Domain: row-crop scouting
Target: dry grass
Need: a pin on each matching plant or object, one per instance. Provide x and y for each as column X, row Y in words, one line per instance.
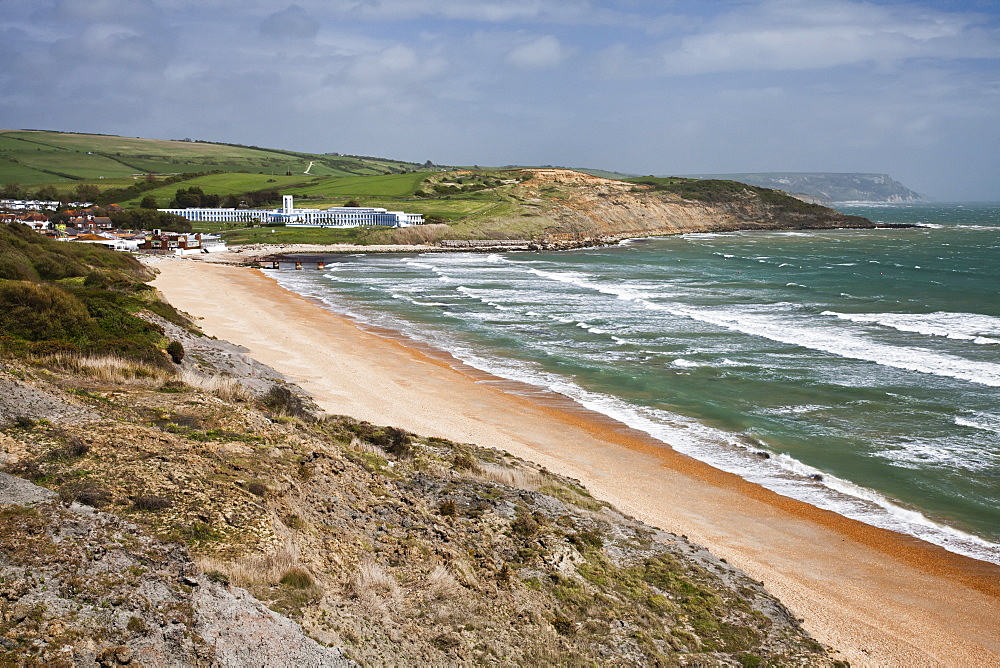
column 257, row 569
column 441, row 584
column 111, row 369
column 223, row 387
column 520, row 478
column 364, row 446
column 373, row 585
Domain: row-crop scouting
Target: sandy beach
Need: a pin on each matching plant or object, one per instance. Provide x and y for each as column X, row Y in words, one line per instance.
column 880, row 598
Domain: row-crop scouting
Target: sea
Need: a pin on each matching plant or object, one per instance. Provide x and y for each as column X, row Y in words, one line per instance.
column 856, row 370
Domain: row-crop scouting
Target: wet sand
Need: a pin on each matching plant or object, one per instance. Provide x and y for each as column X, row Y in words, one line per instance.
column 880, row 598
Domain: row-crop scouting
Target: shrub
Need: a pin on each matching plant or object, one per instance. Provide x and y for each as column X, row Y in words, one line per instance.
column 464, row 462
column 75, row 446
column 28, row 468
column 563, row 626
column 218, row 577
column 257, row 489
column 23, row 422
column 89, row 494
column 297, row 578
column 151, row 503
column 282, row 401
column 176, row 351
column 173, row 386
column 449, row 508
column 35, row 311
column 525, row 526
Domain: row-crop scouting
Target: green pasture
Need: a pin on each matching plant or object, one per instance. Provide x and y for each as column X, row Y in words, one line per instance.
column 10, row 143
column 96, row 156
column 12, row 172
column 293, row 235
column 75, row 164
column 384, row 185
column 228, row 183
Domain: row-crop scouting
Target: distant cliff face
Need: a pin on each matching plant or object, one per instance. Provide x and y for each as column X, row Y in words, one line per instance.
column 834, row 187
column 589, row 205
column 557, row 208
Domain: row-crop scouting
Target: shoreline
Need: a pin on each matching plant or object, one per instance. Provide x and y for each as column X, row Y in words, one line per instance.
column 879, row 597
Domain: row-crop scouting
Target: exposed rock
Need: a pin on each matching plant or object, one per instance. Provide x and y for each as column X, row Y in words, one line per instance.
column 81, row 587
column 21, row 399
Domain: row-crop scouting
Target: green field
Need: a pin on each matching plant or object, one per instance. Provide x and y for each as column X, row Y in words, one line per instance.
column 389, row 185
column 230, row 183
column 54, row 157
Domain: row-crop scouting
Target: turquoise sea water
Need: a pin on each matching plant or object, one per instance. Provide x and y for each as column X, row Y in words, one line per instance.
column 865, row 363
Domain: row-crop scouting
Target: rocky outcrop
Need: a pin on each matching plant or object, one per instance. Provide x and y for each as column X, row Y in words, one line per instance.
column 588, row 210
column 85, row 588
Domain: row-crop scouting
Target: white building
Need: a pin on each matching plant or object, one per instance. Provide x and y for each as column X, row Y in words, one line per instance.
column 337, row 216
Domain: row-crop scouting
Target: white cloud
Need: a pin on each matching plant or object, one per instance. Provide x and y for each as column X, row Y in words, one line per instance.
column 782, row 35
column 545, row 51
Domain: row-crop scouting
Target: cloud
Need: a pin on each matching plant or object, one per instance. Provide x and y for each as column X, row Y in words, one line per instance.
column 545, row 51
column 784, row 35
column 293, row 22
column 739, row 85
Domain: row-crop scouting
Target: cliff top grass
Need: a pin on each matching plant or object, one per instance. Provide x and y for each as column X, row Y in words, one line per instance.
column 61, row 298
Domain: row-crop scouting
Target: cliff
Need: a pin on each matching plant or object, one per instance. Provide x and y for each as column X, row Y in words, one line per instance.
column 557, row 208
column 386, row 547
column 831, row 187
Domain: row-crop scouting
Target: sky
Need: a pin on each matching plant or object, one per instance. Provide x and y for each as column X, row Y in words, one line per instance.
column 911, row 89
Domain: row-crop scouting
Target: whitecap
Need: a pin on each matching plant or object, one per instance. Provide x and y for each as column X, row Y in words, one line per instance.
column 974, row 327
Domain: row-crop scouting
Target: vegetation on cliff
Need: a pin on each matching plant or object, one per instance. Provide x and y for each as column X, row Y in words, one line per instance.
column 396, row 548
column 75, row 298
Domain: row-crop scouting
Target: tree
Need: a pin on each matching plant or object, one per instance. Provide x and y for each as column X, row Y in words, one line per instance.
column 47, row 193
column 86, row 192
column 352, row 202
column 148, row 202
column 12, row 191
column 176, row 351
column 187, row 198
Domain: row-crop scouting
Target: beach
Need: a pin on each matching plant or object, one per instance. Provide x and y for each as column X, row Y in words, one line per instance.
column 878, row 597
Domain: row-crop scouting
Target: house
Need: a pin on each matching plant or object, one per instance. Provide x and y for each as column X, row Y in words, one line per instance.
column 176, row 243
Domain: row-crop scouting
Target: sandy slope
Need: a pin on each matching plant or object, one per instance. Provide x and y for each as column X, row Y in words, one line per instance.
column 881, row 598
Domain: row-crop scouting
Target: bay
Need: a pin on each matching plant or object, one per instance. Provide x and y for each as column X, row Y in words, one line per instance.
column 857, row 370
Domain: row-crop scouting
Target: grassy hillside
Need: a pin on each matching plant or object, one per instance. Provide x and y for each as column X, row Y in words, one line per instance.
column 35, row 158
column 60, row 298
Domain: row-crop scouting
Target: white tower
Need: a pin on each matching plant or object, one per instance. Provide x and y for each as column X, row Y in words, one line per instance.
column 286, row 204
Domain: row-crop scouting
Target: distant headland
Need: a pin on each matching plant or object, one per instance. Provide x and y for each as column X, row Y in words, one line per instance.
column 828, row 187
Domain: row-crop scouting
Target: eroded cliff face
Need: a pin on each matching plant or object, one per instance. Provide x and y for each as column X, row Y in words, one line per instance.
column 397, row 549
column 580, row 205
column 79, row 587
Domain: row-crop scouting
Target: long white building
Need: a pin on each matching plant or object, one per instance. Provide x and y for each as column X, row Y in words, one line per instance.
column 336, row 216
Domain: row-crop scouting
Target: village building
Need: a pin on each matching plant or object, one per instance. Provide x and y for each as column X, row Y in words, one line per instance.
column 338, row 216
